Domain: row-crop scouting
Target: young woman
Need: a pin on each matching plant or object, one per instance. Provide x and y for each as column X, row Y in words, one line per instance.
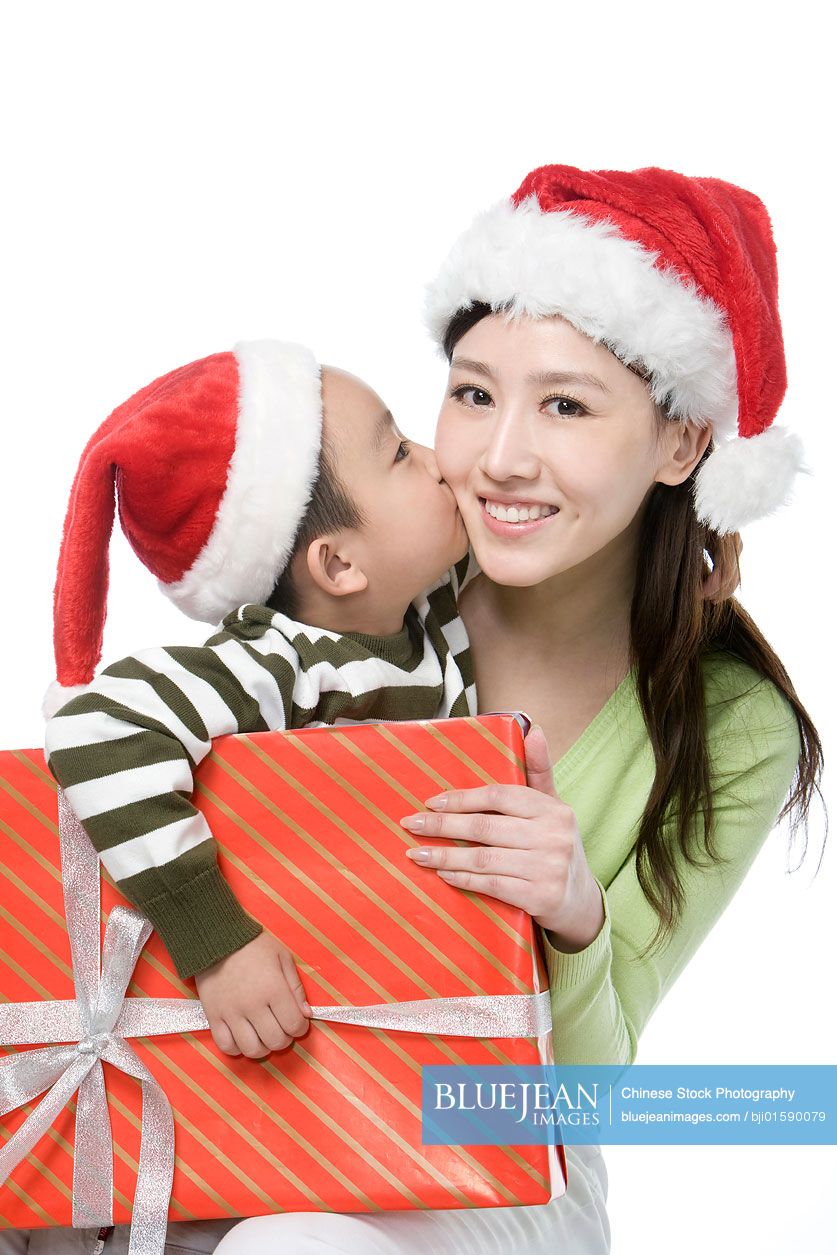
column 616, row 362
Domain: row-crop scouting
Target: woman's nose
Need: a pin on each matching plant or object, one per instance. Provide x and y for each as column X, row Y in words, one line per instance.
column 510, row 451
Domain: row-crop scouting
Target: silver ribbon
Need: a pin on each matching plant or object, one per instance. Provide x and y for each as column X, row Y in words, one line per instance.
column 100, row 1017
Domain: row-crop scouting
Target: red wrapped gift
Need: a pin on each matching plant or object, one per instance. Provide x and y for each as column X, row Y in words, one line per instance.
column 309, row 840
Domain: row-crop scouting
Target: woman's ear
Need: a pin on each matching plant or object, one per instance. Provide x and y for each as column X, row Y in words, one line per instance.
column 332, row 567
column 681, row 449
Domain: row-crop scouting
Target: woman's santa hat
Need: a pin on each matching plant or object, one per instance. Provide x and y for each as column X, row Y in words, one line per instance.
column 213, row 464
column 674, row 274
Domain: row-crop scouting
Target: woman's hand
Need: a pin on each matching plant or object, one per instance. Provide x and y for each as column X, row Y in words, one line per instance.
column 530, row 856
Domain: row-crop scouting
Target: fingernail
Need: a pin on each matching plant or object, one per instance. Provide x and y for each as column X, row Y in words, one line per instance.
column 414, row 822
column 420, row 856
column 439, row 801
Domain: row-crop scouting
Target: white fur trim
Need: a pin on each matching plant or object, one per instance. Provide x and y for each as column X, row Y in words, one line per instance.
column 272, row 472
column 57, row 695
column 558, row 262
column 747, row 478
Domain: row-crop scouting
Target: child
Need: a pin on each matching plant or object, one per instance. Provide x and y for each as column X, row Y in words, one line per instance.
column 258, row 487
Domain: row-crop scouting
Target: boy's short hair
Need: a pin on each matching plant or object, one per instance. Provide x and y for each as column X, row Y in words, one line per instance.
column 330, row 508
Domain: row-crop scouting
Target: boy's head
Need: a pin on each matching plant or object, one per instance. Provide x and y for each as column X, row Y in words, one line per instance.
column 381, row 525
column 235, row 467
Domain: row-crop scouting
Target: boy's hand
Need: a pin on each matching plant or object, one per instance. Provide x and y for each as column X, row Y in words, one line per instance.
column 254, row 998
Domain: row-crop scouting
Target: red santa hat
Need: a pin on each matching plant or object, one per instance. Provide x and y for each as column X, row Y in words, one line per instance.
column 213, row 464
column 675, row 274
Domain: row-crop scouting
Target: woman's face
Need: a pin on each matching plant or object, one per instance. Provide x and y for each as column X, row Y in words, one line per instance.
column 517, row 426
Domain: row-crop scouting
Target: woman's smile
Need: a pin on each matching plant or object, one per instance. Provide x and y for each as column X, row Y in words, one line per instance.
column 512, row 525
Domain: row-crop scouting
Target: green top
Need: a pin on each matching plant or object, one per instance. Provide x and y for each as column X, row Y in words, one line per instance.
column 603, row 996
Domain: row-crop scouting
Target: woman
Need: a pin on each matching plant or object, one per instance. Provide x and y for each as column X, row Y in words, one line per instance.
column 596, row 354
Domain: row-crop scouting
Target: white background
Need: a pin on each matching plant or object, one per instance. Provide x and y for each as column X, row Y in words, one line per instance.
column 179, row 176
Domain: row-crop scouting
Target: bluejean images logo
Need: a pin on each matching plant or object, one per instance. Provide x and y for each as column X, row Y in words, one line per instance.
column 716, row 1104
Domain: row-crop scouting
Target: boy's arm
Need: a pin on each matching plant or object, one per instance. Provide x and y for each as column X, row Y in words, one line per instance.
column 124, row 752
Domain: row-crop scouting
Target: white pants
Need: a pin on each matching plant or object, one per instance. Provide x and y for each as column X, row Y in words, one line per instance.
column 575, row 1223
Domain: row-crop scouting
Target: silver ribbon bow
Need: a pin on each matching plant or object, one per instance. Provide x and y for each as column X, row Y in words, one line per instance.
column 100, row 1017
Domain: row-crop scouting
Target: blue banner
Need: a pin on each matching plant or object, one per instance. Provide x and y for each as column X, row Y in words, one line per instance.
column 648, row 1104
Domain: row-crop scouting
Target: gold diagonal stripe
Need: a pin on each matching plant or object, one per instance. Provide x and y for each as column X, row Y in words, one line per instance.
column 458, row 752
column 405, row 1102
column 36, row 770
column 25, row 976
column 346, row 786
column 367, row 891
column 38, row 944
column 418, row 804
column 311, row 928
column 33, row 897
column 28, row 806
column 36, row 1163
column 30, row 850
column 48, row 1220
column 385, row 730
column 500, row 746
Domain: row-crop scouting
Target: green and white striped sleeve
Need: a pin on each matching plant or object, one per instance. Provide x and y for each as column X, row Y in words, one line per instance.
column 124, row 752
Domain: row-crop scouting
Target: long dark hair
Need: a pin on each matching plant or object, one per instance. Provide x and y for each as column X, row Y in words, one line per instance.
column 672, row 628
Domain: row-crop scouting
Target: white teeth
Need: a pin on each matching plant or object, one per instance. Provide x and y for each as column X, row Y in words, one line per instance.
column 519, row 514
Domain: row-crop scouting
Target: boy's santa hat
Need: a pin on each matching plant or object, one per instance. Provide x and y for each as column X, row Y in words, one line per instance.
column 213, row 464
column 672, row 273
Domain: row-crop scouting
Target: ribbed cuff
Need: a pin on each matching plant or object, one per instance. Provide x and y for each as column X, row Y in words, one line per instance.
column 566, row 971
column 201, row 922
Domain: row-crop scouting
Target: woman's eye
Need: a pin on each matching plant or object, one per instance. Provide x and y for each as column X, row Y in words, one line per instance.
column 405, row 445
column 576, row 405
column 478, row 392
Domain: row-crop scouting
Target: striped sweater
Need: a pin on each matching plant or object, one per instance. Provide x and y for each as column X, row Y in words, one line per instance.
column 125, row 750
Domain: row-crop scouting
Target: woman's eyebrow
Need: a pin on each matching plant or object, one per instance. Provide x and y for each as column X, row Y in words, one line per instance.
column 545, row 377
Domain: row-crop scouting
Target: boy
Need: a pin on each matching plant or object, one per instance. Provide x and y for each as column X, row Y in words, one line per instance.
column 338, row 596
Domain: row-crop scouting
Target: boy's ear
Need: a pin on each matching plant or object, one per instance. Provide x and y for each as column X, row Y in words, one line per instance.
column 332, row 567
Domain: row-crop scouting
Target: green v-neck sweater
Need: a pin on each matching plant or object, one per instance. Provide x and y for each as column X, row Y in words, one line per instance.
column 602, row 996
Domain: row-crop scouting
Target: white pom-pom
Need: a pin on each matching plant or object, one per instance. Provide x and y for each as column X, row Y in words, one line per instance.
column 747, row 478
column 57, row 695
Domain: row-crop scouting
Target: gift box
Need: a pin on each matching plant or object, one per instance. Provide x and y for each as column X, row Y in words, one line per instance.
column 307, row 828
